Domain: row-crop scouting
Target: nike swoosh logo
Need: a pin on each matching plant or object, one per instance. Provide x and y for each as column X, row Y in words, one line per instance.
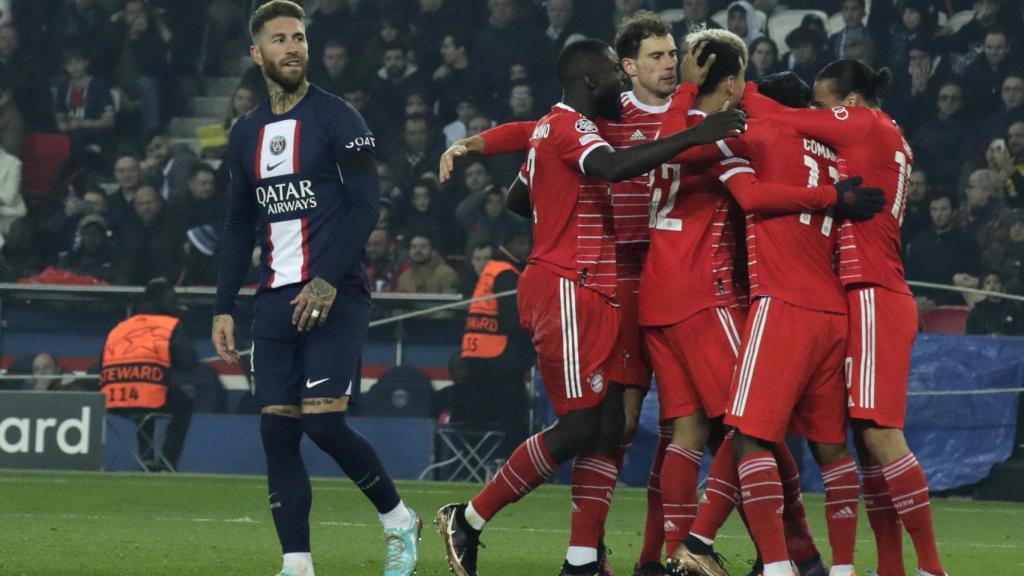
column 314, row 383
column 271, row 168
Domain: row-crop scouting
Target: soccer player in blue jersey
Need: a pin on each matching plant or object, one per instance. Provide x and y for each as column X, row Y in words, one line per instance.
column 303, row 181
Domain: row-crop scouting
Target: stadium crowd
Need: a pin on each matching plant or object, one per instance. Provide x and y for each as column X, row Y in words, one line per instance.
column 130, row 203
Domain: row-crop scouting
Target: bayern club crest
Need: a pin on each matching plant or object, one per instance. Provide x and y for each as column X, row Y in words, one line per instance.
column 277, row 145
column 596, row 382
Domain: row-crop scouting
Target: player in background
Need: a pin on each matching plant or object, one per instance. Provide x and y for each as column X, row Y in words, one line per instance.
column 883, row 317
column 303, row 174
column 790, row 270
column 567, row 298
column 648, row 55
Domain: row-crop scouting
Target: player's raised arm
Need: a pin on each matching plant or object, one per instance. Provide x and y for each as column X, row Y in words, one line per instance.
column 615, row 165
column 502, row 139
column 236, row 244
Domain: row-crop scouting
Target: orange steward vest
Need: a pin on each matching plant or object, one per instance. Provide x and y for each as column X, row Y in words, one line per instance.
column 136, row 359
column 482, row 338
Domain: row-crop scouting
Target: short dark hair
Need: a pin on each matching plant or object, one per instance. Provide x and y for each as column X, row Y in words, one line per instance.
column 578, row 59
column 201, row 167
column 428, row 236
column 786, row 88
column 855, row 76
column 939, row 195
column 335, row 43
column 271, row 10
column 634, row 29
column 730, row 56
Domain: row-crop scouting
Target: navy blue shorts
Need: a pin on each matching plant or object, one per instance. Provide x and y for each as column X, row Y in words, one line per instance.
column 288, row 365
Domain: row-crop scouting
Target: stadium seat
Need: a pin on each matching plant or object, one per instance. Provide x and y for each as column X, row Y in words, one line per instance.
column 959, row 20
column 782, row 24
column 722, row 18
column 40, row 161
column 145, row 431
column 946, row 320
column 464, row 455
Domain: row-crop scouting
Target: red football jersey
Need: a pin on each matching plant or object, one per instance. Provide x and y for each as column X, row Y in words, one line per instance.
column 789, row 256
column 695, row 226
column 572, row 212
column 872, row 146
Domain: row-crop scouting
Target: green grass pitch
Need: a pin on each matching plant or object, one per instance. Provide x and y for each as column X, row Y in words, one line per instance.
column 181, row 525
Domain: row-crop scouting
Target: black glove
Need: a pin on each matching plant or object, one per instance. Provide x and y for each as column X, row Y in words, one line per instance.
column 858, row 203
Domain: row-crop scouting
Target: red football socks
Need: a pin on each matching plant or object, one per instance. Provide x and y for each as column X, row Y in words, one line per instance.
column 842, row 491
column 529, row 466
column 884, row 520
column 679, row 493
column 593, row 482
column 908, row 489
column 761, row 492
column 654, row 530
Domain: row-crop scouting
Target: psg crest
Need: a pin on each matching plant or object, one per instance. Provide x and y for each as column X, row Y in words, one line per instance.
column 277, row 145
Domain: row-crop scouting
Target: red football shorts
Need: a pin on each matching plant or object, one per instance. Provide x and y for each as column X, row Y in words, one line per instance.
column 631, row 366
column 790, row 374
column 693, row 361
column 574, row 331
column 883, row 326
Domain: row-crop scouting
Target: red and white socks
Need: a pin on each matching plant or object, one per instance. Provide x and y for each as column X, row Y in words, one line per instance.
column 654, row 530
column 761, row 494
column 679, row 493
column 885, row 522
column 908, row 489
column 593, row 483
column 529, row 466
column 842, row 494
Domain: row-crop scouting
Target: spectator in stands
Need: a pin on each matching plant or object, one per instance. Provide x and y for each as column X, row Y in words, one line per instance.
column 427, row 272
column 202, row 204
column 87, row 26
column 858, row 46
column 1011, row 164
column 335, row 75
column 168, row 167
column 93, row 255
column 479, row 255
column 981, row 215
column 854, row 13
column 917, row 215
column 988, row 16
column 428, row 214
column 331, row 22
column 27, row 80
column 64, row 224
column 764, row 59
column 465, row 109
column 478, row 124
column 418, row 153
column 359, row 97
column 770, row 7
column 806, row 45
column 199, row 263
column 84, row 111
column 521, row 104
column 456, row 79
column 393, row 81
column 128, row 176
column 155, row 339
column 1011, row 109
column 915, row 92
column 994, row 316
column 742, row 21
column 984, row 77
column 1006, row 256
column 150, row 242
column 695, row 17
column 483, row 216
column 917, row 18
column 939, row 254
column 506, row 40
column 48, row 376
column 560, row 26
column 939, row 143
column 142, row 69
column 12, row 125
column 12, row 205
column 381, row 261
column 241, row 102
column 434, row 23
column 24, row 251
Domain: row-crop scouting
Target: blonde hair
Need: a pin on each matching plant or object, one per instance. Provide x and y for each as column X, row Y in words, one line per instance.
column 719, row 36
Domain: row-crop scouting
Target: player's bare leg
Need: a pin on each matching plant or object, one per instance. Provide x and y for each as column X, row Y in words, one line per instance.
column 323, row 420
column 842, row 493
column 907, row 488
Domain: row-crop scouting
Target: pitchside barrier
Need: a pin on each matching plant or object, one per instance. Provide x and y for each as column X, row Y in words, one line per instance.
column 961, row 415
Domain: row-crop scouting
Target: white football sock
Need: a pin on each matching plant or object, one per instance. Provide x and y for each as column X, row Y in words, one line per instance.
column 708, row 541
column 580, row 555
column 841, row 570
column 399, row 517
column 778, row 569
column 474, row 518
column 299, row 561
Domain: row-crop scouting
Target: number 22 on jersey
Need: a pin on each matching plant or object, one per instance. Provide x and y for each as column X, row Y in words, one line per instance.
column 659, row 218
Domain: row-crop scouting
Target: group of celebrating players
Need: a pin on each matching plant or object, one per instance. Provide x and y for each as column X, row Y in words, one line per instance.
column 743, row 247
